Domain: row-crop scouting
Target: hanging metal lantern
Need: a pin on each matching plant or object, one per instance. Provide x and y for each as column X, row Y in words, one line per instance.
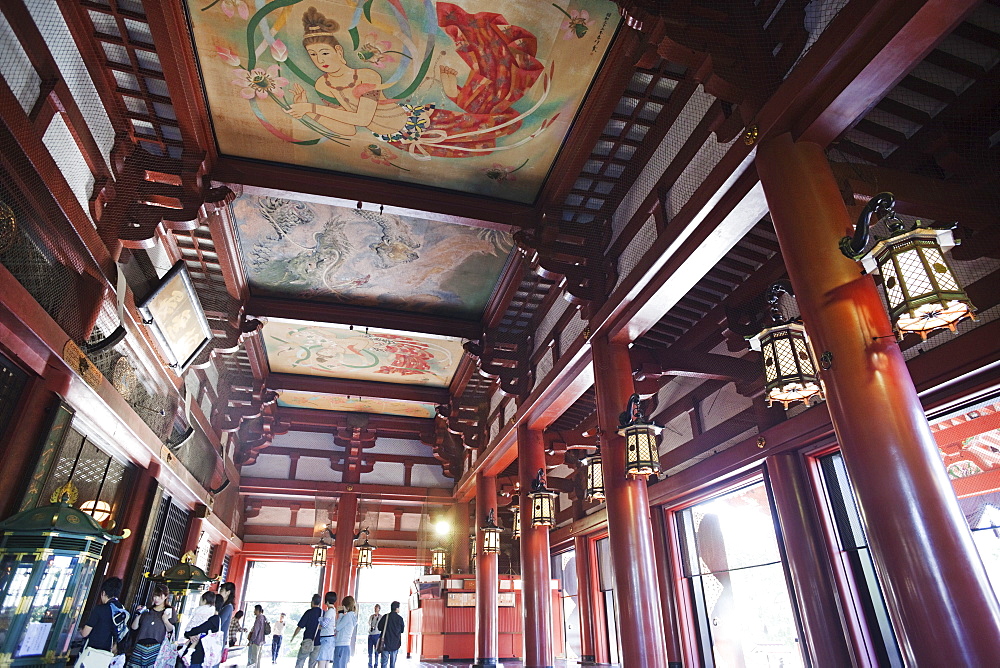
column 790, row 371
column 491, row 534
column 920, row 287
column 365, row 551
column 184, row 577
column 595, row 477
column 439, row 558
column 641, row 454
column 543, row 502
column 515, row 527
column 319, row 554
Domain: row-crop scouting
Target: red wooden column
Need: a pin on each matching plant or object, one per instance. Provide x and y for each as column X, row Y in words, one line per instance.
column 808, row 561
column 664, row 578
column 487, row 578
column 347, row 511
column 133, row 517
column 328, row 573
column 193, row 534
column 585, row 575
column 459, row 538
column 629, row 527
column 535, row 559
column 23, row 444
column 943, row 608
column 218, row 557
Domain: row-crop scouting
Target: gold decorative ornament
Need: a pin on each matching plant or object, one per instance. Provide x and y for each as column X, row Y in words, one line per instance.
column 71, row 492
column 124, row 378
column 751, row 135
column 80, row 363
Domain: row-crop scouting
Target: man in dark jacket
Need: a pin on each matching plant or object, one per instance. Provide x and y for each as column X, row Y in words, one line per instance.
column 391, row 627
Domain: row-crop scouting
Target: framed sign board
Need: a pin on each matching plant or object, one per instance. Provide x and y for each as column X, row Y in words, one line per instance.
column 175, row 318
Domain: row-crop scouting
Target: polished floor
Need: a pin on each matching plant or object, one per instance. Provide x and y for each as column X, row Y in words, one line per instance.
column 360, row 660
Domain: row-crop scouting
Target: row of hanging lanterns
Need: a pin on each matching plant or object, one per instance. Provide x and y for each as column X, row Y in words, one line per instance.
column 642, row 458
column 918, row 284
column 365, row 551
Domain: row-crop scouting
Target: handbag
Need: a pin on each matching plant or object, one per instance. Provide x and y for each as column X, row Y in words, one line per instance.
column 167, row 656
column 94, row 658
column 212, row 644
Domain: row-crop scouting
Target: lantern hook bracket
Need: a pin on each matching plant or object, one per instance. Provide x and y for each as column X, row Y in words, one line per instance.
column 881, row 205
column 773, row 297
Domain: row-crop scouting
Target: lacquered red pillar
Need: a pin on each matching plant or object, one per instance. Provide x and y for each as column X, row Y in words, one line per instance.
column 194, row 528
column 535, row 560
column 940, row 601
column 585, row 574
column 487, row 578
column 134, row 517
column 664, row 579
column 347, row 511
column 629, row 528
column 808, row 561
column 459, row 538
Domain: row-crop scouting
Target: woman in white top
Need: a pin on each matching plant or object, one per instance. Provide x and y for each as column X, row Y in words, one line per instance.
column 347, row 633
column 326, row 630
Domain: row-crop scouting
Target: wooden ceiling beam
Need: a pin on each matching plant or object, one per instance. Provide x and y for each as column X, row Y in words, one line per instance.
column 290, row 182
column 366, row 456
column 308, row 419
column 920, row 196
column 360, row 316
column 357, row 388
column 277, row 487
column 254, row 529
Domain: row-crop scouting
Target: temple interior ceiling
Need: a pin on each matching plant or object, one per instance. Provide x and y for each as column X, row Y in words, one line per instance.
column 448, row 95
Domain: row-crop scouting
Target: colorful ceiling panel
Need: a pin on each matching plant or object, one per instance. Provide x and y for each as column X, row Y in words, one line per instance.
column 346, row 255
column 336, row 351
column 446, row 94
column 340, row 402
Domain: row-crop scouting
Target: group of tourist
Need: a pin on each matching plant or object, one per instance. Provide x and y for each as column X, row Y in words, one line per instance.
column 327, row 635
column 331, row 634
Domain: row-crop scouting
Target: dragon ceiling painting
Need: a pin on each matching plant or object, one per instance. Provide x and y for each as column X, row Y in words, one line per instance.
column 433, row 93
column 337, row 351
column 304, row 250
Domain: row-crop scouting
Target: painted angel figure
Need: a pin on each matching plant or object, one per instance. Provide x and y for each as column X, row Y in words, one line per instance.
column 503, row 67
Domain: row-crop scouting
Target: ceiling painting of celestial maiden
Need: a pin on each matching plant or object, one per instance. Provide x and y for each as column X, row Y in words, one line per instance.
column 448, row 94
column 346, row 255
column 340, row 402
column 336, row 351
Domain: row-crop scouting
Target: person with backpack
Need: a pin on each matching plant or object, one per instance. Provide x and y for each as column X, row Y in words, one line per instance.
column 106, row 628
column 258, row 636
column 152, row 627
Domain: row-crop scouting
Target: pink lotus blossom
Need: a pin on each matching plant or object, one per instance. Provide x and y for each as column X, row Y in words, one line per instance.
column 228, row 56
column 230, row 7
column 577, row 23
column 279, row 51
column 374, row 51
column 259, row 83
